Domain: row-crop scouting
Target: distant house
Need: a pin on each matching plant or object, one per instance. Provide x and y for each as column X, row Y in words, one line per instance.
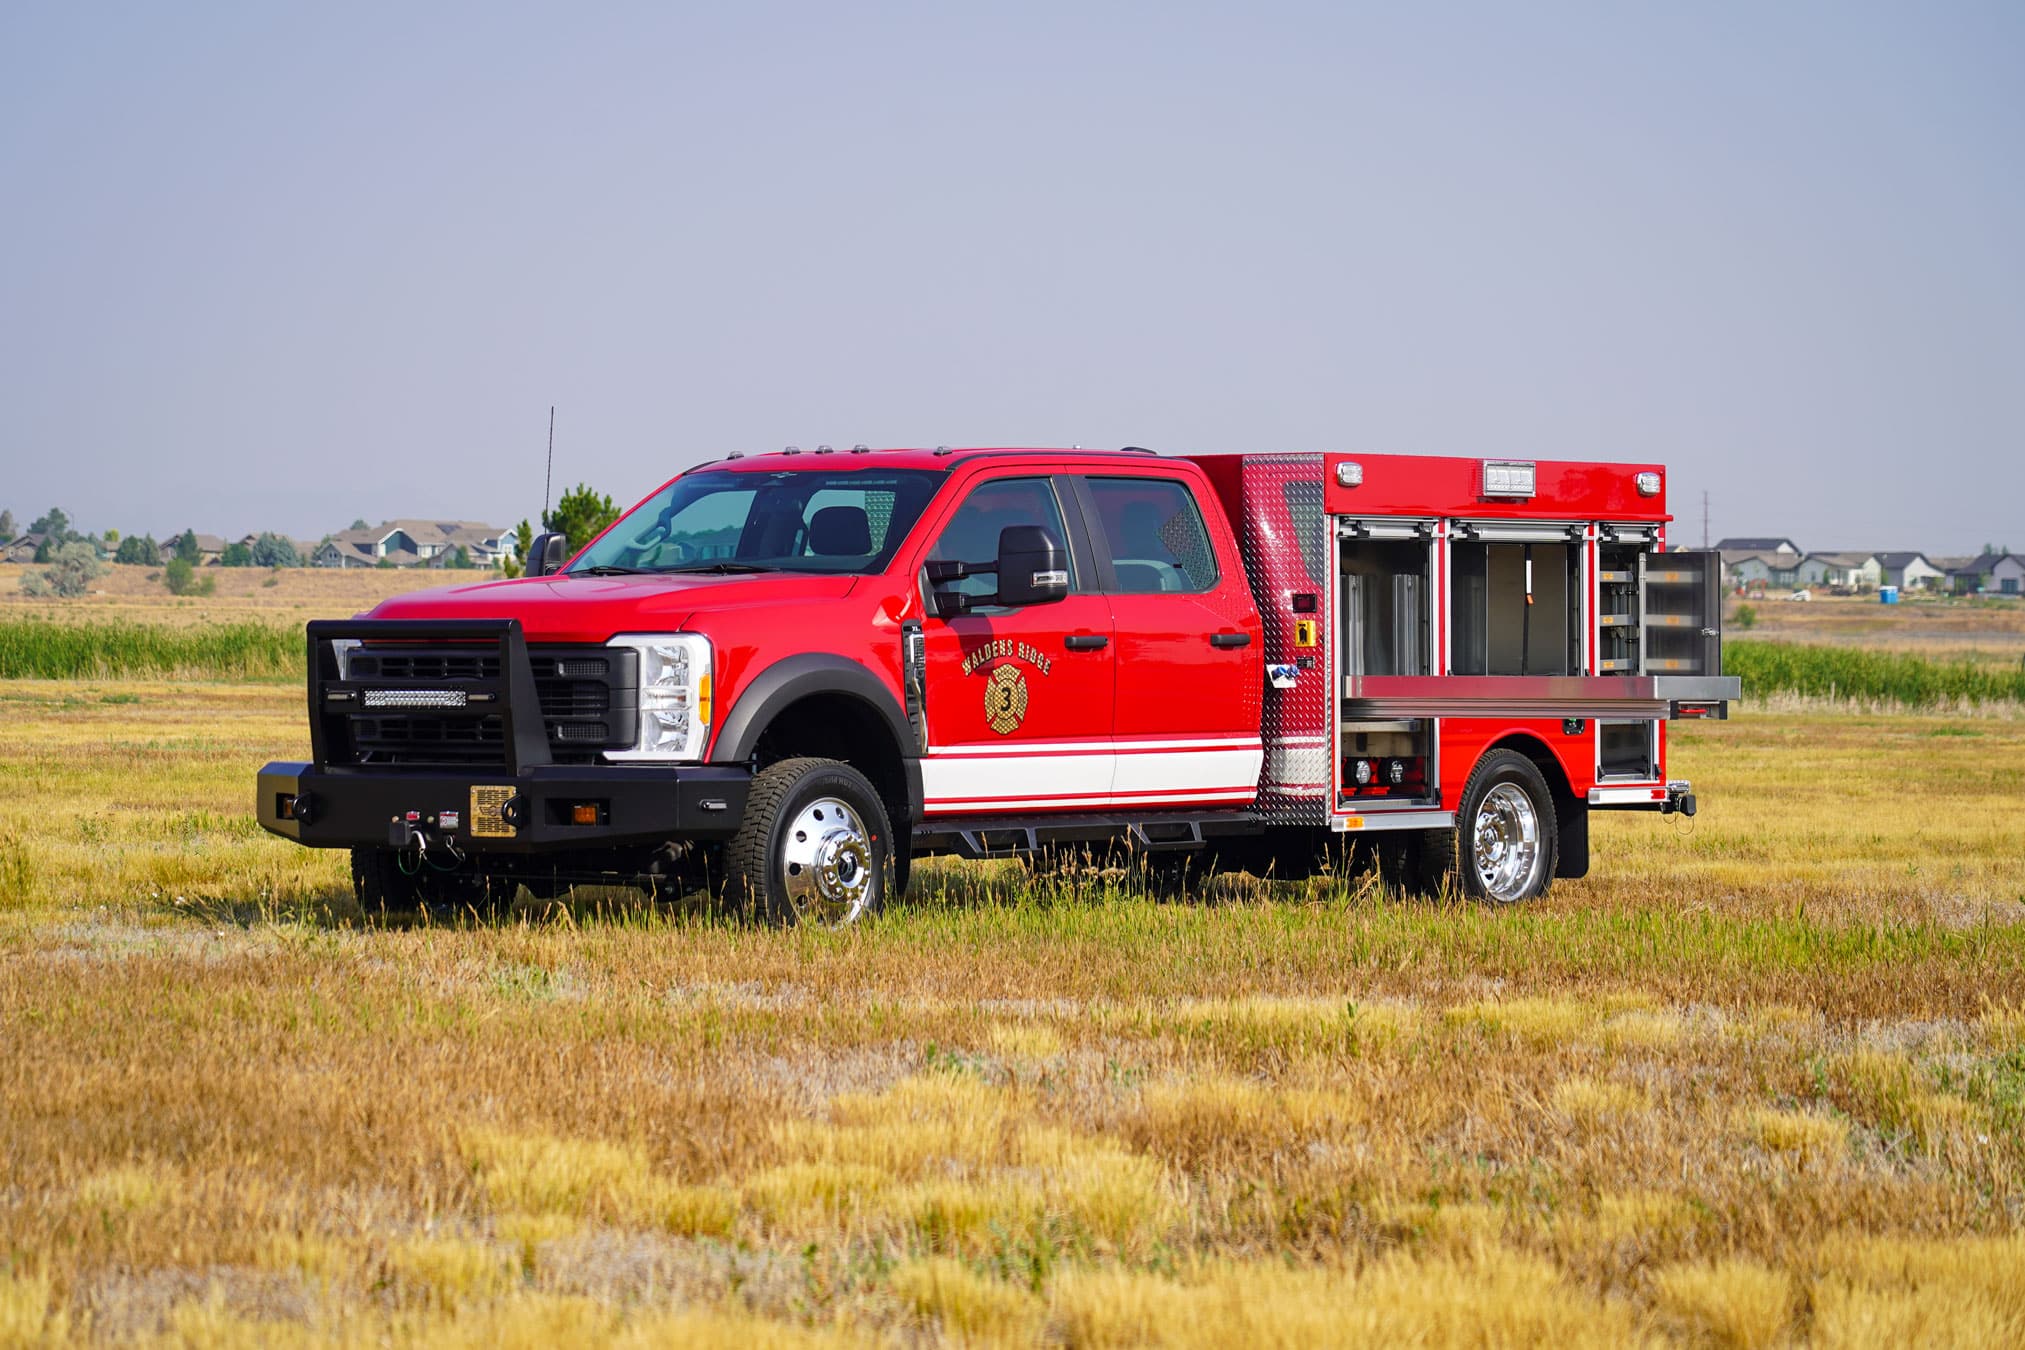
column 1848, row 571
column 209, row 548
column 1983, row 574
column 1963, row 573
column 1909, row 571
column 1775, row 548
column 21, row 550
column 415, row 543
column 1746, row 567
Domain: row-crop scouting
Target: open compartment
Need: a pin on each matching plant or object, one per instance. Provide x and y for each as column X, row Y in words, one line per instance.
column 1515, row 603
column 1385, row 624
column 1683, row 614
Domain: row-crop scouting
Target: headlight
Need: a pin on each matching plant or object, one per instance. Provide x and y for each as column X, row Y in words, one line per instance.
column 674, row 697
column 342, row 649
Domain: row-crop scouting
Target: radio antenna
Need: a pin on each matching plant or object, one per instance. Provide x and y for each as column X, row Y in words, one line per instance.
column 548, row 479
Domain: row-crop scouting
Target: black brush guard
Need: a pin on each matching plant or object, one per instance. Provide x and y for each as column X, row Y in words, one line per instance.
column 524, row 803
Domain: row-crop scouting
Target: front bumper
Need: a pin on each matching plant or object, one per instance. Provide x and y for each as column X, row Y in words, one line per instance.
column 533, row 811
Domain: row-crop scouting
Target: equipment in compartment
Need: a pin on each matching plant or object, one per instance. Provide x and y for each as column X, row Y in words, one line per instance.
column 1384, row 628
column 1658, row 613
column 1515, row 608
column 1683, row 614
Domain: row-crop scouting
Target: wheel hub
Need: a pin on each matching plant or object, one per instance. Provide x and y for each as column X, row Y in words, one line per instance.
column 826, row 862
column 1507, row 843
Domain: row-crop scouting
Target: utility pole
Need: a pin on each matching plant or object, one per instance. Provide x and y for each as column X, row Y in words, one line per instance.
column 1705, row 519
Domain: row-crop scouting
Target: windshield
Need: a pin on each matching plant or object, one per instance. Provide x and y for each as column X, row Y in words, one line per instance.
column 846, row 522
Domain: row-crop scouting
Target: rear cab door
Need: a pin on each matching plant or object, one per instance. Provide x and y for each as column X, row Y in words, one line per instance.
column 1189, row 637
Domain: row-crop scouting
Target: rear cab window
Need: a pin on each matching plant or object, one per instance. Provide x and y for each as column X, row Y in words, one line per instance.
column 1151, row 532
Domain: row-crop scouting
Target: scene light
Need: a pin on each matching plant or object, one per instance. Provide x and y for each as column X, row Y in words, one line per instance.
column 1508, row 478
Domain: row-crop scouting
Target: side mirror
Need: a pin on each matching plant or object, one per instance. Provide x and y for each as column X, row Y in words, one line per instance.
column 547, row 554
column 1032, row 566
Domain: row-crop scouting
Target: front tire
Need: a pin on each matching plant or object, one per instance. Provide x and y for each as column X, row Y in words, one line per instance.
column 1504, row 845
column 814, row 847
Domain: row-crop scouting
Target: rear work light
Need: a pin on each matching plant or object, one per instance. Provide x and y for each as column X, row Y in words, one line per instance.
column 1508, row 478
column 1349, row 473
column 1648, row 484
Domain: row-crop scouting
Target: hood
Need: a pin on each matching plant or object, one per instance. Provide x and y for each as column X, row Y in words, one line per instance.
column 592, row 609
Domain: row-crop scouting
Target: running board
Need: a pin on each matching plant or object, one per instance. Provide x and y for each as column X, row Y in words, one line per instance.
column 1005, row 837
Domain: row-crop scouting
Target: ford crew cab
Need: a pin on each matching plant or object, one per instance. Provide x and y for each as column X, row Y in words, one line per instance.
column 784, row 676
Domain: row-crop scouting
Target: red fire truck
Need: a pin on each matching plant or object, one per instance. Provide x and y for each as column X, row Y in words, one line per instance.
column 783, row 676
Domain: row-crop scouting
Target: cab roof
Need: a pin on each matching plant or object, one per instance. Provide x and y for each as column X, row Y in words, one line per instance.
column 936, row 457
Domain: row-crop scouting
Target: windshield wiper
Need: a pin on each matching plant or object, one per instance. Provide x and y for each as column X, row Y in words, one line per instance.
column 605, row 570
column 722, row 565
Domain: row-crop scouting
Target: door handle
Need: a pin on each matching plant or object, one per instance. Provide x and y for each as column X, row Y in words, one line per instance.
column 1230, row 639
column 1085, row 642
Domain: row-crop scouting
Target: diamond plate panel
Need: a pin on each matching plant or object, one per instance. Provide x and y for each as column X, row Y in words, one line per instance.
column 1286, row 552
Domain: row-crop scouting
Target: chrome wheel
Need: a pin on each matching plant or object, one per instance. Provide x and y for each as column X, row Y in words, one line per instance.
column 826, row 863
column 1506, row 843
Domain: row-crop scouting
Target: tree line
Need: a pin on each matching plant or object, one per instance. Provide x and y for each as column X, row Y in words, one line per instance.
column 73, row 560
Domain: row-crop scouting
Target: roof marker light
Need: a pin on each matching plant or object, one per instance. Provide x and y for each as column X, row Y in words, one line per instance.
column 1648, row 484
column 1349, row 473
column 1508, row 478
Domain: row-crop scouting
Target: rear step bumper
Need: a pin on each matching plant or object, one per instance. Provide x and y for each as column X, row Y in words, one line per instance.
column 533, row 811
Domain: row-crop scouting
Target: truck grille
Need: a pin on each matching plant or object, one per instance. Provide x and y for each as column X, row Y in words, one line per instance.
column 588, row 704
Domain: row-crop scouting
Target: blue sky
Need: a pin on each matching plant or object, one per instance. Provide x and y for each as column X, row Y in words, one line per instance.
column 272, row 267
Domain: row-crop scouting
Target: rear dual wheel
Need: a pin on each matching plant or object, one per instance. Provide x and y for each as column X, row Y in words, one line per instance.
column 1504, row 846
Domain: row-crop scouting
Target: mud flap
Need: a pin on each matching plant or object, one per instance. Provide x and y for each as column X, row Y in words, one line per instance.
column 1572, row 826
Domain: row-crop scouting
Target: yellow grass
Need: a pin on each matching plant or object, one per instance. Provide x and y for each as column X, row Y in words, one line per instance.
column 239, row 593
column 1729, row 1303
column 1759, row 1079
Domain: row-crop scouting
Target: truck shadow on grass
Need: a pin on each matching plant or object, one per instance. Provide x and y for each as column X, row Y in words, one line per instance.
column 936, row 885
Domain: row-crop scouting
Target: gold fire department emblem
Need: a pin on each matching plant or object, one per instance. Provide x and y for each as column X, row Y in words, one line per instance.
column 1005, row 699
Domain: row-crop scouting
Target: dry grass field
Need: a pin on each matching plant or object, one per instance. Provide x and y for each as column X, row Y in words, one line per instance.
column 1758, row 1081
column 283, row 596
column 1945, row 627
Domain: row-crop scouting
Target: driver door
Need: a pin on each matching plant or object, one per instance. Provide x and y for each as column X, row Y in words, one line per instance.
column 1018, row 701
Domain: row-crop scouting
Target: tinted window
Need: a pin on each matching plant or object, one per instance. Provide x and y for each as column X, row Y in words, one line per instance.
column 1155, row 535
column 972, row 533
column 793, row 521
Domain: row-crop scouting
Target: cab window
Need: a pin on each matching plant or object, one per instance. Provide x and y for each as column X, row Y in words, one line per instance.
column 1154, row 533
column 972, row 533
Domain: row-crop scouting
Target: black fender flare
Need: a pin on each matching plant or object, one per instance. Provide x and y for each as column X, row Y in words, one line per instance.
column 796, row 677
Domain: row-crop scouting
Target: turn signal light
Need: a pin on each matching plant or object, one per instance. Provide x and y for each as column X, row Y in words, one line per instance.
column 584, row 813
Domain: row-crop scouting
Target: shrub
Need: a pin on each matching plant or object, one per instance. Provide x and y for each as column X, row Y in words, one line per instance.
column 139, row 550
column 1747, row 618
column 182, row 579
column 271, row 550
column 72, row 568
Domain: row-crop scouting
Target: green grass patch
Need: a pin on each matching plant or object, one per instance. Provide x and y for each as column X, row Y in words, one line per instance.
column 1848, row 672
column 38, row 649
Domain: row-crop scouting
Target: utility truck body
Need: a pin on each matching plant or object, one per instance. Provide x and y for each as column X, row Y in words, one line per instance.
column 783, row 676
